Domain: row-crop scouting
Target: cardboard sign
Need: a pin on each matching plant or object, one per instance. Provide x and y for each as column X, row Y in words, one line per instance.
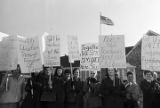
column 8, row 53
column 73, row 48
column 29, row 55
column 150, row 53
column 90, row 57
column 52, row 50
column 112, row 51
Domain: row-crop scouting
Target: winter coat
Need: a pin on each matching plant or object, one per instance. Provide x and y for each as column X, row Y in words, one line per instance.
column 112, row 96
column 74, row 93
column 92, row 97
column 34, row 90
column 59, row 85
column 148, row 89
column 14, row 87
column 48, row 94
column 132, row 95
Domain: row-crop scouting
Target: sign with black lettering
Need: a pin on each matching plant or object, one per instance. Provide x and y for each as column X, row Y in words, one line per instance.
column 8, row 53
column 29, row 56
column 150, row 53
column 90, row 57
column 112, row 51
column 52, row 50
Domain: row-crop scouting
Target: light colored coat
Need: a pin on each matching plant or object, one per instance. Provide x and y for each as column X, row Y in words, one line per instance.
column 14, row 92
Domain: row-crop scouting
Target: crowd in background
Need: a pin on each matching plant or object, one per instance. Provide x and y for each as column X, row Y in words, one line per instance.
column 59, row 88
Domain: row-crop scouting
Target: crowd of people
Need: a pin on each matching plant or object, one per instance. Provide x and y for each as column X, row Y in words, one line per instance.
column 59, row 88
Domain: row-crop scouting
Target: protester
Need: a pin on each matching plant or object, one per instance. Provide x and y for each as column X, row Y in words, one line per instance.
column 149, row 88
column 92, row 97
column 12, row 85
column 48, row 97
column 132, row 92
column 33, row 89
column 74, row 91
column 59, row 84
column 67, row 74
column 112, row 90
column 156, row 103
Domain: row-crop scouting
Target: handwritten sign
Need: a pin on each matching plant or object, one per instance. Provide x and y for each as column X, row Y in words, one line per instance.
column 73, row 48
column 90, row 57
column 8, row 53
column 52, row 50
column 150, row 53
column 29, row 55
column 112, row 51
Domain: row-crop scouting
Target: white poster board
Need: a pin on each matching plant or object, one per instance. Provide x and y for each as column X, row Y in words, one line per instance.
column 73, row 48
column 150, row 53
column 52, row 50
column 112, row 51
column 29, row 56
column 89, row 57
column 8, row 53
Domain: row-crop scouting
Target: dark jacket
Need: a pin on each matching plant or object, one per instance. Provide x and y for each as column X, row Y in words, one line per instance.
column 148, row 93
column 92, row 97
column 59, row 84
column 34, row 90
column 156, row 98
column 74, row 93
column 48, row 94
column 112, row 96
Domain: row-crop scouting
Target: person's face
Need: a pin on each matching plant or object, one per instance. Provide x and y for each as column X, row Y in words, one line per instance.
column 92, row 74
column 130, row 78
column 48, row 71
column 111, row 72
column 76, row 73
column 149, row 76
column 155, row 76
column 59, row 72
column 68, row 76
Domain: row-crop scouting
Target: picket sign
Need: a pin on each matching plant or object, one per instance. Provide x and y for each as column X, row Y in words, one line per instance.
column 89, row 57
column 73, row 48
column 112, row 51
column 52, row 51
column 150, row 53
column 29, row 56
column 8, row 53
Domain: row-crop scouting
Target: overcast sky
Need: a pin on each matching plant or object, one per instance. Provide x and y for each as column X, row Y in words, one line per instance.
column 133, row 18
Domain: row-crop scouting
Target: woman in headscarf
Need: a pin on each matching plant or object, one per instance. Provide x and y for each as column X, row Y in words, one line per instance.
column 92, row 97
column 112, row 90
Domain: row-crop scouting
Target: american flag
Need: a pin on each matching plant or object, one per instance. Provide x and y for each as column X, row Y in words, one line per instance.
column 106, row 20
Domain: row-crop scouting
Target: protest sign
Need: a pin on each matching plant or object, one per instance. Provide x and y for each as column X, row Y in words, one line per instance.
column 150, row 53
column 8, row 53
column 52, row 50
column 112, row 51
column 90, row 57
column 73, row 48
column 29, row 56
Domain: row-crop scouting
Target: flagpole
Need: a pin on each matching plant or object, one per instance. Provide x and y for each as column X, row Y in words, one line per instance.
column 100, row 28
column 71, row 71
column 100, row 33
